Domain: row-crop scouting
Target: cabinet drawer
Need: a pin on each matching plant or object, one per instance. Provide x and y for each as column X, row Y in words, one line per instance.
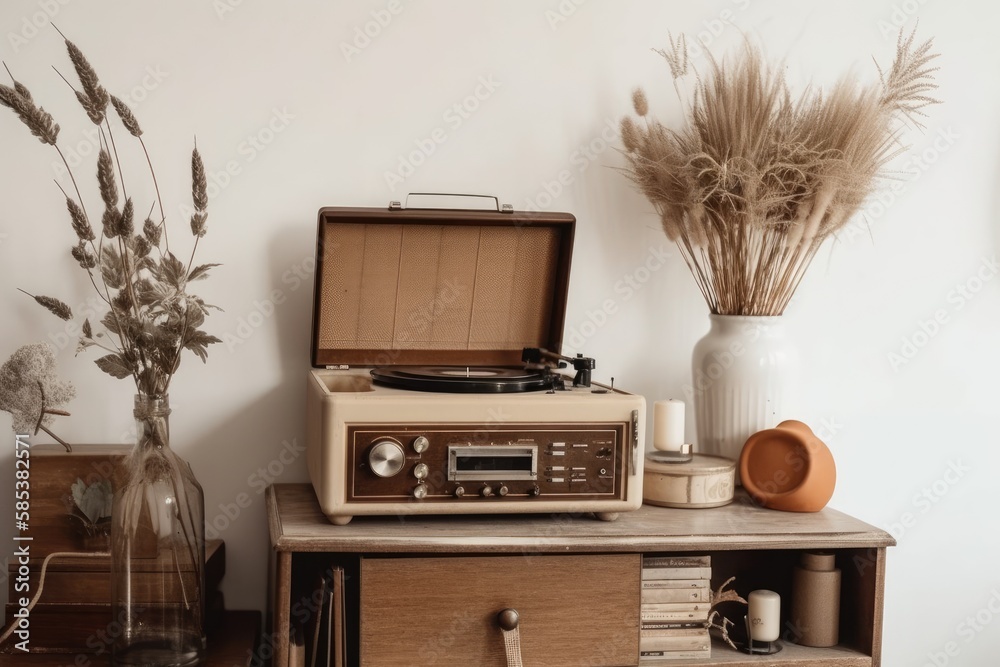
column 574, row 610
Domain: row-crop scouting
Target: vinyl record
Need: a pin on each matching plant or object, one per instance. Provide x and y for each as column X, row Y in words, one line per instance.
column 462, row 379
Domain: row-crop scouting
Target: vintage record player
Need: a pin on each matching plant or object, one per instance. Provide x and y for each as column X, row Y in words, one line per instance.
column 436, row 386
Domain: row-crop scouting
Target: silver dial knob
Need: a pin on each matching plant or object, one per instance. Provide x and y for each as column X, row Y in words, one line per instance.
column 420, row 491
column 459, row 491
column 503, row 490
column 420, row 444
column 420, row 471
column 385, row 458
column 486, row 492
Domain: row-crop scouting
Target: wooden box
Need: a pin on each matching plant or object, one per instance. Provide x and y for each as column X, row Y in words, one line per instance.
column 53, row 472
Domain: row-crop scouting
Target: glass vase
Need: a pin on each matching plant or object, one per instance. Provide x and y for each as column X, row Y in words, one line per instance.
column 745, row 376
column 157, row 550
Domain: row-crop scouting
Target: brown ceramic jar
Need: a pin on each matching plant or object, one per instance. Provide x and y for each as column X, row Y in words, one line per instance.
column 788, row 468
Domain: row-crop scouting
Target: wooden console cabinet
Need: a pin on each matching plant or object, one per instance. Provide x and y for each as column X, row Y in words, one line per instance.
column 426, row 590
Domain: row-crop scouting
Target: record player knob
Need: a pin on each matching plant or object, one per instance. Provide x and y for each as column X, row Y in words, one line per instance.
column 420, row 444
column 385, row 458
column 503, row 490
column 420, row 491
column 459, row 492
column 486, row 491
column 420, row 470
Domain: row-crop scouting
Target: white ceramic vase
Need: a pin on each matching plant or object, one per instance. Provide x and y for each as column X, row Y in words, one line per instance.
column 744, row 379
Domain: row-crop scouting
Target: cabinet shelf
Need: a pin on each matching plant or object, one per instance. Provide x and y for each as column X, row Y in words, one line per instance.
column 791, row 654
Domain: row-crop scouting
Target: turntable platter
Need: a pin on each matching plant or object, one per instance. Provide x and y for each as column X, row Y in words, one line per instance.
column 463, row 380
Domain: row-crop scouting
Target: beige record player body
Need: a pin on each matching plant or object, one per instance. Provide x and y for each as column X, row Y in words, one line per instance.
column 420, row 402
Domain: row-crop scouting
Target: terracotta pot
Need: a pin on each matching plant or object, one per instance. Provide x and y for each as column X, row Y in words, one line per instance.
column 788, row 468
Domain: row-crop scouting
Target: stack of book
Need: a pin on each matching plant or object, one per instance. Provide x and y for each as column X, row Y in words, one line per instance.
column 676, row 595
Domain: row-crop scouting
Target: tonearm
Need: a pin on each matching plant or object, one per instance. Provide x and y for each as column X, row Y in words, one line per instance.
column 581, row 364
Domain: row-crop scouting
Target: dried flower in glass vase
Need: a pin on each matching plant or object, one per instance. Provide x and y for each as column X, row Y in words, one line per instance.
column 158, row 531
column 749, row 188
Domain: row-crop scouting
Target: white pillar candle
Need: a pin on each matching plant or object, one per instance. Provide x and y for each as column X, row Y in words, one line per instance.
column 668, row 425
column 765, row 615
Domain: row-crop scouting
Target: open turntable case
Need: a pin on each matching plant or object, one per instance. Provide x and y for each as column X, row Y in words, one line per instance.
column 434, row 389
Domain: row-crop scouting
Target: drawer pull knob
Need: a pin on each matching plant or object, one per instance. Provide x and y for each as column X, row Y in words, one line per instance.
column 507, row 619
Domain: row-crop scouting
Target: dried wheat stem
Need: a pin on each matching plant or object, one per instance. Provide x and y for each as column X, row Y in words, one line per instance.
column 114, row 151
column 177, row 352
column 191, row 258
column 159, row 199
column 72, row 178
column 64, row 78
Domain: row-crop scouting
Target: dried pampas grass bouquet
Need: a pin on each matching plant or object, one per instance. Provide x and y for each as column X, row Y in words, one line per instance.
column 755, row 180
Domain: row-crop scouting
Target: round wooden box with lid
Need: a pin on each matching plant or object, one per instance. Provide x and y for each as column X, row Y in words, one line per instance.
column 704, row 481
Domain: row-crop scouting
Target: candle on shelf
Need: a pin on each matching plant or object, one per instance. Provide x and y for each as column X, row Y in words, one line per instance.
column 668, row 425
column 765, row 615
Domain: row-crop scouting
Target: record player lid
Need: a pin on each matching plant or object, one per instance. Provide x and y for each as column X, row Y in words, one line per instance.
column 438, row 286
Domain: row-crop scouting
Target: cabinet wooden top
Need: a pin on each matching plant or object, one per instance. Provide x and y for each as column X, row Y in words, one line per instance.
column 297, row 524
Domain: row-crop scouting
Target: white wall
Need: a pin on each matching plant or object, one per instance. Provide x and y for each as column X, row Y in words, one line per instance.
column 227, row 70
